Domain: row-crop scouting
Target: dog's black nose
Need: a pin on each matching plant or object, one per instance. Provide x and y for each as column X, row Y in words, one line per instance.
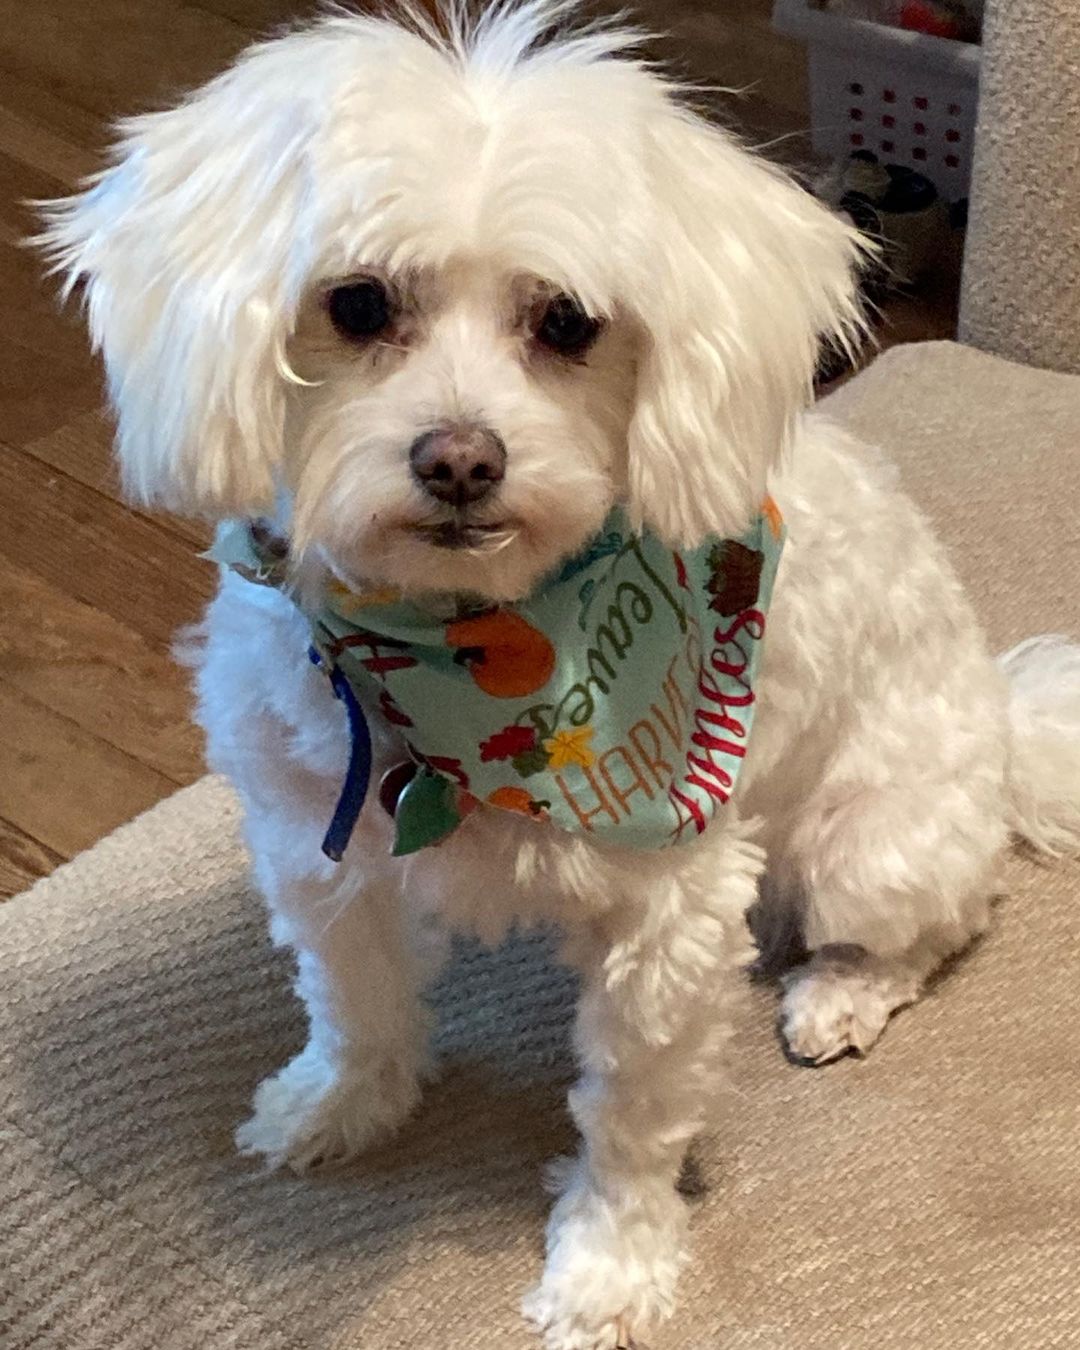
column 458, row 465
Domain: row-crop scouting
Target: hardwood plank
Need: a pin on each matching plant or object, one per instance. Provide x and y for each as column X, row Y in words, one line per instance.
column 26, row 141
column 38, row 393
column 256, row 17
column 99, row 553
column 22, row 860
column 62, row 785
column 46, row 374
column 25, row 92
column 83, row 449
column 116, row 56
column 97, row 673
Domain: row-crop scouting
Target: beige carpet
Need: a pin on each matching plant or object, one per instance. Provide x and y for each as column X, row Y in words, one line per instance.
column 926, row 1198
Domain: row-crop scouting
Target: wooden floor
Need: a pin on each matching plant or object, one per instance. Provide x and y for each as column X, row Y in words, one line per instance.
column 94, row 716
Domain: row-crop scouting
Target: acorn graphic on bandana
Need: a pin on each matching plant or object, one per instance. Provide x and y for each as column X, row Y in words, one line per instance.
column 735, row 577
column 505, row 655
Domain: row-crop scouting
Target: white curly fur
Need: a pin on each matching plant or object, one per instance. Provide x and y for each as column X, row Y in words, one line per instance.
column 891, row 756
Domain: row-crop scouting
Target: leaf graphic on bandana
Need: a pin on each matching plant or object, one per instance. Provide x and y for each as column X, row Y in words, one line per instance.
column 605, row 546
column 533, row 761
column 508, row 743
column 772, row 514
column 680, row 572
column 586, row 596
column 571, row 747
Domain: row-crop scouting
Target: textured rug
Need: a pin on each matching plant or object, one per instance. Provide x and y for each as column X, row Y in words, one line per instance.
column 927, row 1197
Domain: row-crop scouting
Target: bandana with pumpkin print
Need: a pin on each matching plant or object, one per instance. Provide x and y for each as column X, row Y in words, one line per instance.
column 615, row 702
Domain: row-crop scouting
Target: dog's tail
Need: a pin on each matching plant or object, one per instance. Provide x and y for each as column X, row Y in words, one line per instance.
column 1044, row 766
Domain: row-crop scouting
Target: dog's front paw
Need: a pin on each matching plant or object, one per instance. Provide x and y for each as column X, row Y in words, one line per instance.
column 831, row 1009
column 314, row 1114
column 611, row 1271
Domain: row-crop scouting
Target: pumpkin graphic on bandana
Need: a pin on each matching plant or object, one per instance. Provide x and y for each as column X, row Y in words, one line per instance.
column 518, row 800
column 505, row 655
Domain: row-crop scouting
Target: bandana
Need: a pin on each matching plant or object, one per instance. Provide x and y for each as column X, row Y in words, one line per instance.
column 615, row 702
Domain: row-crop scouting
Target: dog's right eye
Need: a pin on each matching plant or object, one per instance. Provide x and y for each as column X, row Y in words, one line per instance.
column 565, row 328
column 360, row 309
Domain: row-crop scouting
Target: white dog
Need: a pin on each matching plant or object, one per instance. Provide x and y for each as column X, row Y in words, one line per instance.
column 437, row 306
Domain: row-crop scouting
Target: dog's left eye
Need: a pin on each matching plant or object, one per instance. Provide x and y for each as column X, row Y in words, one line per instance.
column 564, row 327
column 360, row 309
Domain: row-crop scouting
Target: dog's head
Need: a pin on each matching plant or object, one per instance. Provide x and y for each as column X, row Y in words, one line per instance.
column 451, row 298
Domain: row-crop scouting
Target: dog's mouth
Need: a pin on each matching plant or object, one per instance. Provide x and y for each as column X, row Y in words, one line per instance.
column 465, row 535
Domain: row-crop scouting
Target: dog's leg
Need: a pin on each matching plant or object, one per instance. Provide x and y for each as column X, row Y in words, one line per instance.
column 357, row 1077
column 650, row 1029
column 274, row 726
column 895, row 881
column 358, row 973
column 361, row 959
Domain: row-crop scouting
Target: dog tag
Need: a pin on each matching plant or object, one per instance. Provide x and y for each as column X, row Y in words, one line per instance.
column 426, row 813
column 393, row 783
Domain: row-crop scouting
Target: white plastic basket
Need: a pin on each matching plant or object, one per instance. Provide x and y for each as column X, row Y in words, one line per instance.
column 908, row 97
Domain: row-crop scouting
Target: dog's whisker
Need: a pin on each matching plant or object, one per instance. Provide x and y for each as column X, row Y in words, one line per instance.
column 493, row 543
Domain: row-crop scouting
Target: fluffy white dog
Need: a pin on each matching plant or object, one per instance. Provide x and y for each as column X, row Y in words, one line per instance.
column 435, row 306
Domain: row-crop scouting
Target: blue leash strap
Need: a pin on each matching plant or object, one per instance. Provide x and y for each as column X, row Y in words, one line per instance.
column 355, row 788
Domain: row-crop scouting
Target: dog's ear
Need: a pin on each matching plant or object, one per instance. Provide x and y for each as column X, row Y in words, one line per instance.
column 189, row 251
column 743, row 275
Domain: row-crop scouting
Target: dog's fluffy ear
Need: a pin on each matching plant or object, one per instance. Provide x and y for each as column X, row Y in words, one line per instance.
column 189, row 252
column 744, row 277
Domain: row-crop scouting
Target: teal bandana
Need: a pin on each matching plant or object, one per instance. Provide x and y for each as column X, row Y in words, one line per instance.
column 615, row 702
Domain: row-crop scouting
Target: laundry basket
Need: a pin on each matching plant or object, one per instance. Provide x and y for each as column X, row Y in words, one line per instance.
column 908, row 97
